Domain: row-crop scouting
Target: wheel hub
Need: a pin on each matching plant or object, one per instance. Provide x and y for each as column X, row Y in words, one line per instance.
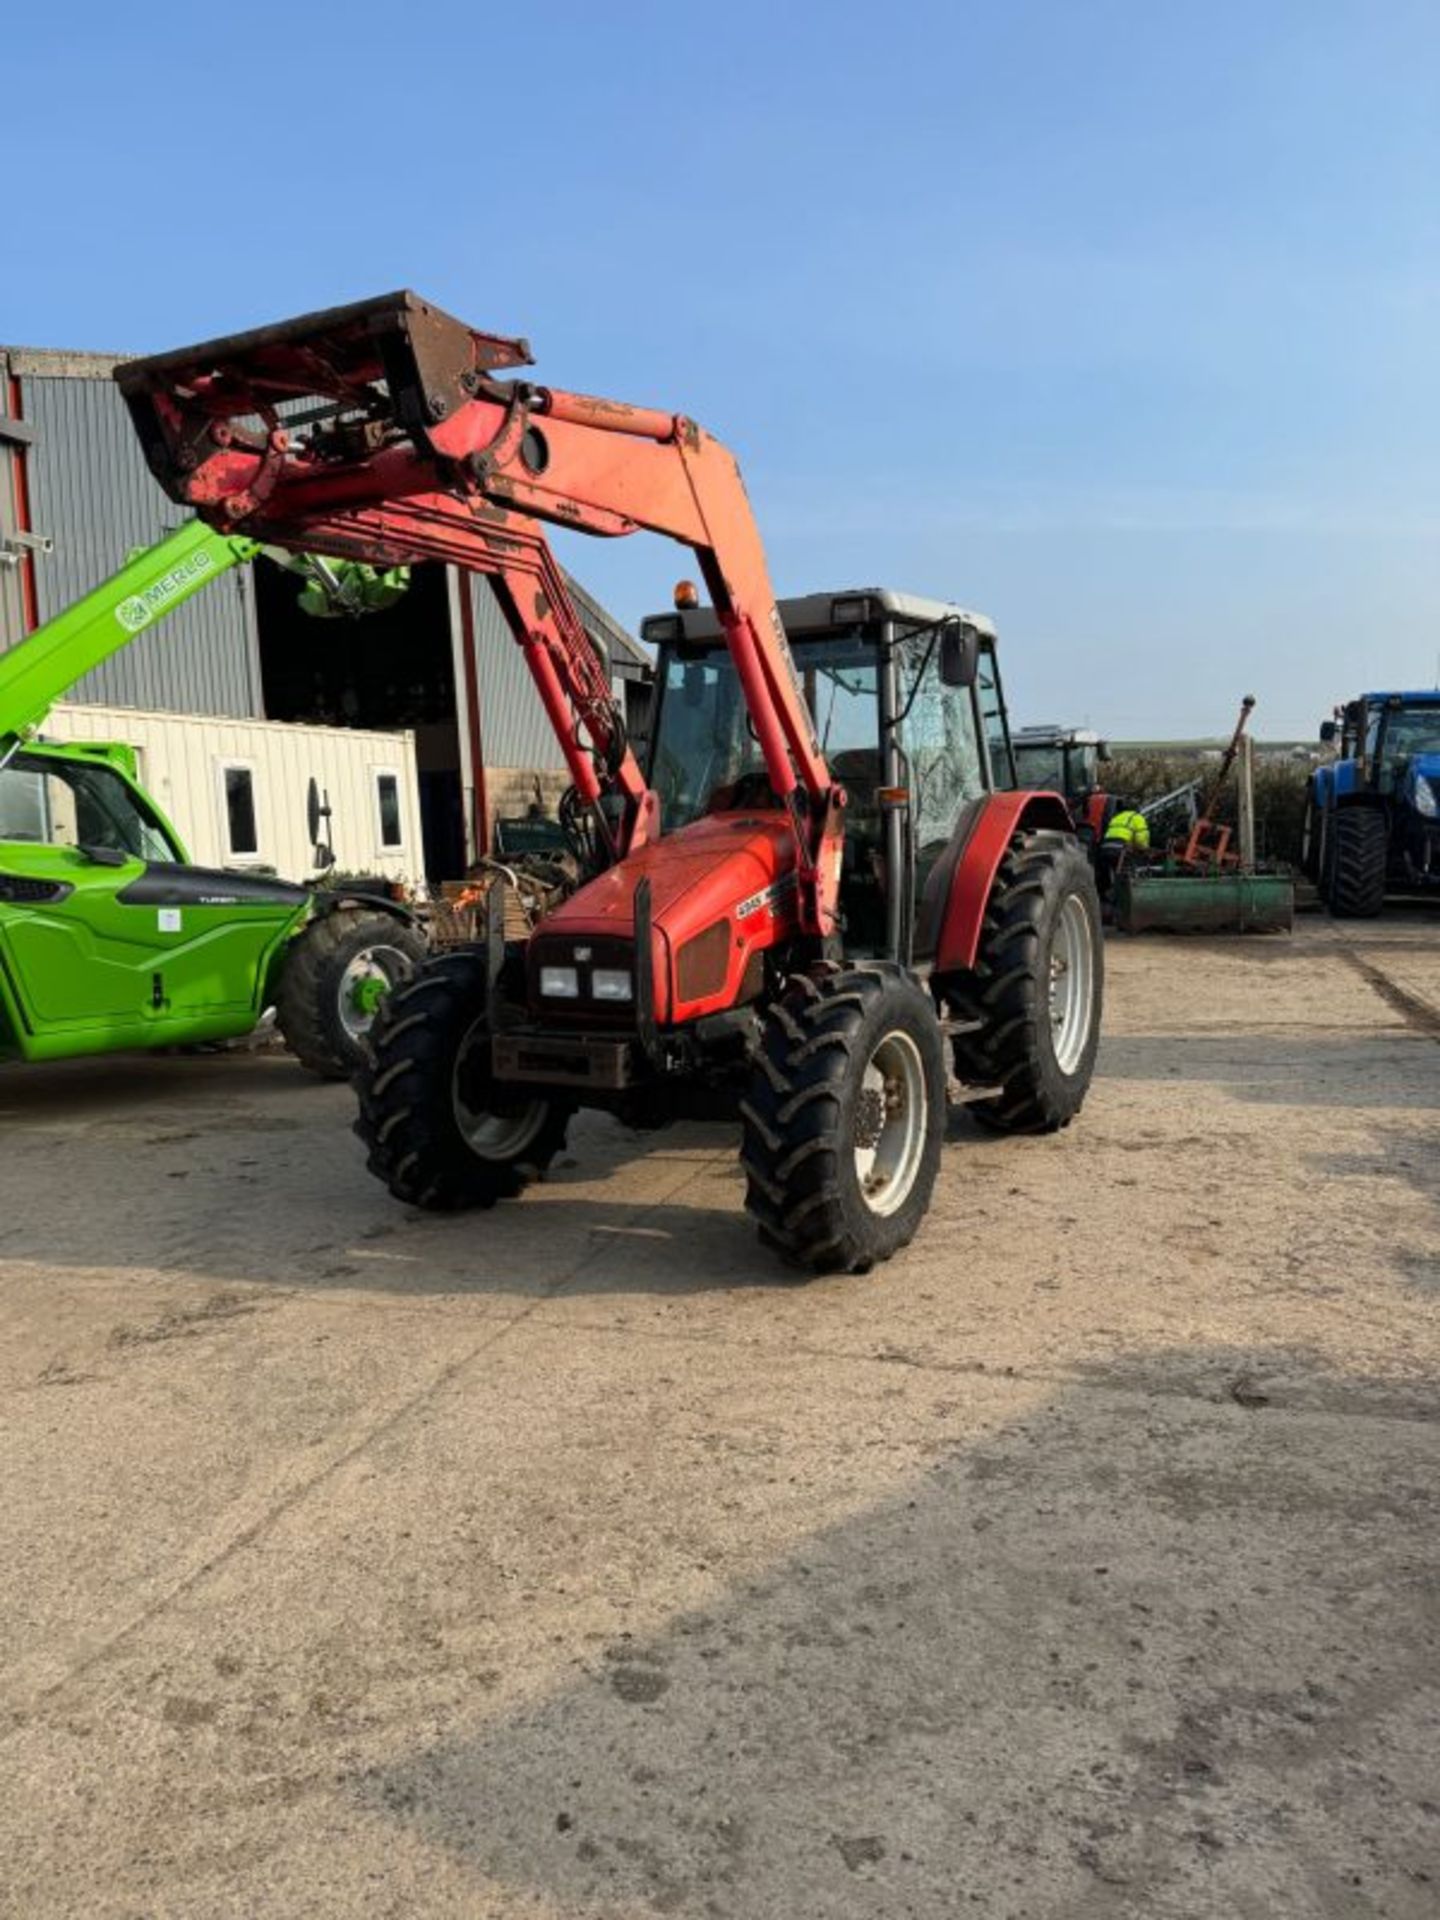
column 870, row 1117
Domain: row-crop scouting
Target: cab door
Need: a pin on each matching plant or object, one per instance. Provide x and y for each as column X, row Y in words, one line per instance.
column 102, row 929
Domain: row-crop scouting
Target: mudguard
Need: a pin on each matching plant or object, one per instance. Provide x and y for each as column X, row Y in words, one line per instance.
column 952, row 910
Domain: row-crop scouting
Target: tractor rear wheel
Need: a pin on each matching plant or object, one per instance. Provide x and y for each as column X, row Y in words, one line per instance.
column 1035, row 990
column 335, row 977
column 1355, row 870
column 844, row 1118
column 439, row 1130
column 1312, row 839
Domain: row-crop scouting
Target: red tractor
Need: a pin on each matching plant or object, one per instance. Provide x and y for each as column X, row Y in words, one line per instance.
column 815, row 907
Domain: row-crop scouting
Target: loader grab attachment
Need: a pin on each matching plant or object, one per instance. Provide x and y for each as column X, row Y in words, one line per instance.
column 380, row 431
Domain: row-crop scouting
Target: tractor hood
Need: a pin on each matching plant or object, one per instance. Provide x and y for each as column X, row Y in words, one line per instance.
column 721, row 891
column 1426, row 766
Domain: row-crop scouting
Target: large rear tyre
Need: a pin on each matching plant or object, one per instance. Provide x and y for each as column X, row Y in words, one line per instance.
column 439, row 1130
column 1312, row 839
column 1036, row 989
column 1355, row 870
column 844, row 1118
column 336, row 975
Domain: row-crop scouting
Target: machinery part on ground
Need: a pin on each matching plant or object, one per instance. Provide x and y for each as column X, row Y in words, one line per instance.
column 1157, row 900
column 844, row 1117
column 1207, row 846
column 437, row 1128
column 744, row 861
column 335, row 978
column 1029, row 1012
column 1353, row 882
column 1372, row 816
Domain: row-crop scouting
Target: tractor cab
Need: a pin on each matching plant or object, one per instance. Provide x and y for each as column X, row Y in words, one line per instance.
column 1066, row 760
column 907, row 705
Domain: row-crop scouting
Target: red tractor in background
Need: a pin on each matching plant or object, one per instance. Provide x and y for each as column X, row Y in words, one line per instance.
column 815, row 907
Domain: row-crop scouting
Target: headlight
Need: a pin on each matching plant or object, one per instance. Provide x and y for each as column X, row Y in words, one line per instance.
column 1425, row 798
column 611, row 983
column 559, row 983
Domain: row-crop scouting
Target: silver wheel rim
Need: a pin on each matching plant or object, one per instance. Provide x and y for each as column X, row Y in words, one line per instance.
column 890, row 1123
column 1072, row 984
column 371, row 967
column 491, row 1136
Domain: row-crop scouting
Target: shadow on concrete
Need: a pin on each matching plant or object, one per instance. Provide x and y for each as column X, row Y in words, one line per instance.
column 1392, row 1068
column 1136, row 1650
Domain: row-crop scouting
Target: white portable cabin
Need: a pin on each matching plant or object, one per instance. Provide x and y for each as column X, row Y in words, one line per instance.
column 236, row 790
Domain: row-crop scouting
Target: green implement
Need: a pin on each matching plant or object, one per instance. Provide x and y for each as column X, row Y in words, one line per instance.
column 109, row 938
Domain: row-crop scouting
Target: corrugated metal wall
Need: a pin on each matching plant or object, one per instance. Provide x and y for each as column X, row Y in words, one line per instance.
column 92, row 493
column 513, row 726
column 181, row 761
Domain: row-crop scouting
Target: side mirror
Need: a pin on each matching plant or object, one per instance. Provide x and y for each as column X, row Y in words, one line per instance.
column 959, row 655
column 1103, row 755
column 1328, row 731
column 317, row 823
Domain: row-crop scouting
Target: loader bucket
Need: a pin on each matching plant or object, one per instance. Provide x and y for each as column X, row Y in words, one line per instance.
column 1147, row 901
column 390, row 366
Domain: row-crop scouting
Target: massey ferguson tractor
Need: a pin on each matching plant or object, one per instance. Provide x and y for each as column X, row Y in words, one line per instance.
column 810, row 911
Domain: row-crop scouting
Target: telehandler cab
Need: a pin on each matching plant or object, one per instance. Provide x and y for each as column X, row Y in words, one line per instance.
column 812, row 909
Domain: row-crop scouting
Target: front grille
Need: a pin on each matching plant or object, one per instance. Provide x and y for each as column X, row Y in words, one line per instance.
column 611, row 955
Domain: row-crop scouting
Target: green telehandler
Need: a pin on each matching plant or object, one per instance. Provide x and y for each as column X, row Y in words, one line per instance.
column 109, row 937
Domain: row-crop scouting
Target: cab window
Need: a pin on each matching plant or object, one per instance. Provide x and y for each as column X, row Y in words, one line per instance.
column 943, row 766
column 71, row 804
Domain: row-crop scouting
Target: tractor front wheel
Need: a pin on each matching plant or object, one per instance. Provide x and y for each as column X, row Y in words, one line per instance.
column 844, row 1118
column 1355, row 868
column 336, row 975
column 438, row 1129
column 1035, row 993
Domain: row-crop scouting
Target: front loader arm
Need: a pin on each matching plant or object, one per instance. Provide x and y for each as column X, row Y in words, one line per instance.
column 380, row 431
column 44, row 666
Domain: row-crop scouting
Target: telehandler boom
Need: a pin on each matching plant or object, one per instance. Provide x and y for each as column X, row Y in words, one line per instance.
column 742, row 941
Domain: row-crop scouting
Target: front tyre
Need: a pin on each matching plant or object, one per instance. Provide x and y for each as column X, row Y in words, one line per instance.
column 1036, row 989
column 844, row 1118
column 1358, row 855
column 438, row 1129
column 336, row 975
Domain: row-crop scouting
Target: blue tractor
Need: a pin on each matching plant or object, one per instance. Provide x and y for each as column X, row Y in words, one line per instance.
column 1372, row 816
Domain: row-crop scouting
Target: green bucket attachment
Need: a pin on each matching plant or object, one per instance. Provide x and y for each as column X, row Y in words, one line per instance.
column 1175, row 902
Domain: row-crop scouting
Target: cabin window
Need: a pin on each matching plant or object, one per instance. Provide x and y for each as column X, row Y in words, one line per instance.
column 242, row 837
column 387, row 807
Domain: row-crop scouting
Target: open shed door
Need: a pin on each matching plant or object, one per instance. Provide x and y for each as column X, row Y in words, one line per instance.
column 16, row 535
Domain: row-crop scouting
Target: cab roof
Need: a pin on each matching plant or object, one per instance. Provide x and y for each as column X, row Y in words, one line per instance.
column 813, row 613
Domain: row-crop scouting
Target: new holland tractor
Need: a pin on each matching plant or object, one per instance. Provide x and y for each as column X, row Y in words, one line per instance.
column 811, row 915
column 1372, row 816
column 109, row 937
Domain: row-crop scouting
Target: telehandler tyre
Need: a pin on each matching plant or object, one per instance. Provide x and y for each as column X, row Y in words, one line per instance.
column 1357, row 857
column 336, row 976
column 844, row 1117
column 1036, row 989
column 438, row 1130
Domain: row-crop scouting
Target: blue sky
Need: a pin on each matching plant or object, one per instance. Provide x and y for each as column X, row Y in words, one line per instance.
column 1119, row 321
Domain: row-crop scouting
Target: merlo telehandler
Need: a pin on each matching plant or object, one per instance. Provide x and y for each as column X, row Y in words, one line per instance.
column 814, row 909
column 109, row 937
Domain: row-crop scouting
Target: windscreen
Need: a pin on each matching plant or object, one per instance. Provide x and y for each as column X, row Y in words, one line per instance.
column 67, row 803
column 1412, row 730
column 705, row 757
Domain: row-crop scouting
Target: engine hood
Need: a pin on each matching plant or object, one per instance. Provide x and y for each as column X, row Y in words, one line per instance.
column 727, row 877
column 1427, row 766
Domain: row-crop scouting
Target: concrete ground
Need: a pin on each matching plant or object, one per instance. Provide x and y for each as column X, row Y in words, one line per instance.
column 568, row 1561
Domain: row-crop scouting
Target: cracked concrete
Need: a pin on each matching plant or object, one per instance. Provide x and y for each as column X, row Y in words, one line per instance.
column 570, row 1562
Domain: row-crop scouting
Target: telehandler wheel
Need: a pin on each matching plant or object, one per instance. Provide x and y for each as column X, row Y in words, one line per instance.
column 335, row 977
column 1355, row 865
column 1037, row 987
column 439, row 1131
column 844, row 1118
